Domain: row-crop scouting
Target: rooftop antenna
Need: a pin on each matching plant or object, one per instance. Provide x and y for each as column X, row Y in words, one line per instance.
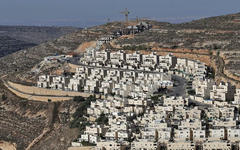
column 126, row 13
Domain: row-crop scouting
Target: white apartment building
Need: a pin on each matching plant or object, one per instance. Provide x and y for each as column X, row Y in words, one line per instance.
column 102, row 56
column 142, row 144
column 203, row 87
column 199, row 135
column 182, row 134
column 228, row 123
column 212, row 145
column 175, row 102
column 237, row 97
column 227, row 112
column 213, row 112
column 134, row 58
column 233, row 134
column 164, row 135
column 168, row 61
column 181, row 146
column 222, row 92
column 190, row 124
column 150, row 60
column 216, row 134
column 118, row 57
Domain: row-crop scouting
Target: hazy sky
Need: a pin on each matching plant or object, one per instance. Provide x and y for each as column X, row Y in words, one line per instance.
column 92, row 12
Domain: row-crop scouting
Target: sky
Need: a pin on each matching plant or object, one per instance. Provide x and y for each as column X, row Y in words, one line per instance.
column 84, row 13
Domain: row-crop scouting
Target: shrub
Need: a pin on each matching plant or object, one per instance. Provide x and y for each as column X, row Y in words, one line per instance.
column 102, row 119
column 4, row 97
column 78, row 99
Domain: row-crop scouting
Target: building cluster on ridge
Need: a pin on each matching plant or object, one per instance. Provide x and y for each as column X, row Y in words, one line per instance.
column 207, row 119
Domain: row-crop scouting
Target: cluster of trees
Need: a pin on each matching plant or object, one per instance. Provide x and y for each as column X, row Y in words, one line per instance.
column 79, row 120
column 102, row 119
column 210, row 73
column 156, row 99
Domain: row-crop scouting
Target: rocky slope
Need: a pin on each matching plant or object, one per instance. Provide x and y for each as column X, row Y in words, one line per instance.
column 15, row 38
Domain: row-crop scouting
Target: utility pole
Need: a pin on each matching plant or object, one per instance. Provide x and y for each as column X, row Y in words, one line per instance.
column 126, row 13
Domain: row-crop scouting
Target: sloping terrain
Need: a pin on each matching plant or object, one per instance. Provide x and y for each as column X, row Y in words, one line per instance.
column 15, row 38
column 29, row 123
column 24, row 122
column 35, row 34
column 220, row 35
column 22, row 61
column 38, row 124
column 9, row 45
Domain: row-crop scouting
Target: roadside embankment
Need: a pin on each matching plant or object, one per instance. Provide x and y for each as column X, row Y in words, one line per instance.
column 41, row 94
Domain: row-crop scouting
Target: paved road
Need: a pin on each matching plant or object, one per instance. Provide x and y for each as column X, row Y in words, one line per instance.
column 180, row 89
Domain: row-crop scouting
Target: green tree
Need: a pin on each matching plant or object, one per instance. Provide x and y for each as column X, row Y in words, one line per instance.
column 102, row 119
column 78, row 99
column 4, row 97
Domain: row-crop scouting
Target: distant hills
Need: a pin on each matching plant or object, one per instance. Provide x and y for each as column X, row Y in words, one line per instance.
column 15, row 38
column 214, row 33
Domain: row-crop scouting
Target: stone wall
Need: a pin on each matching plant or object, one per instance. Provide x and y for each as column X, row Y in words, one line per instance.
column 41, row 94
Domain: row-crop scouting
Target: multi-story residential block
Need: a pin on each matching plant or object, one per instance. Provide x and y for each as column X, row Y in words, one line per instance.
column 237, row 97
column 223, row 145
column 216, row 134
column 44, row 81
column 175, row 101
column 102, row 56
column 168, row 61
column 186, row 145
column 134, row 58
column 203, row 87
column 227, row 112
column 223, row 92
column 199, row 135
column 233, row 134
column 182, row 134
column 118, row 57
column 150, row 60
column 228, row 123
column 164, row 135
column 190, row 124
column 142, row 144
column 212, row 113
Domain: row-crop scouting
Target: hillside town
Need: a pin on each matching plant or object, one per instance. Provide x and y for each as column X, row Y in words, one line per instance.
column 137, row 109
column 120, row 75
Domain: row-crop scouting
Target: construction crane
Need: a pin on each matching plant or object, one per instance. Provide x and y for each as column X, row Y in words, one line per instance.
column 126, row 13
